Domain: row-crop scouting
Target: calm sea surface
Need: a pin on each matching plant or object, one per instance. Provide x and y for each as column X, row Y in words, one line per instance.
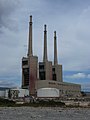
column 47, row 113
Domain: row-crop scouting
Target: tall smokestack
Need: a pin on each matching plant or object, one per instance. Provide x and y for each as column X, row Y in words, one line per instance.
column 30, row 52
column 45, row 44
column 55, row 49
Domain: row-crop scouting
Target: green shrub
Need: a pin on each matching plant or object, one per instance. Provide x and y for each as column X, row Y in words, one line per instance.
column 6, row 102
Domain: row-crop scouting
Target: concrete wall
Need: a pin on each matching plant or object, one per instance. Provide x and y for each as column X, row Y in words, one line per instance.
column 33, row 63
column 58, row 72
column 47, row 92
column 24, row 66
column 66, row 89
column 48, row 70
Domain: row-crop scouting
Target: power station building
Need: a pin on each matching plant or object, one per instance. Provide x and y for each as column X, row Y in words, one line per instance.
column 37, row 75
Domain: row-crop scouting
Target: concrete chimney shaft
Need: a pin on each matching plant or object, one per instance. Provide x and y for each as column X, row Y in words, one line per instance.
column 45, row 45
column 30, row 51
column 55, row 49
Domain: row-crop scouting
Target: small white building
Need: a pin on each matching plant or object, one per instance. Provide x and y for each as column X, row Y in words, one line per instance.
column 17, row 93
column 3, row 91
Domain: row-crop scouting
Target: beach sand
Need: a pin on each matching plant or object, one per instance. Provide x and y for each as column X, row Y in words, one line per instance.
column 44, row 113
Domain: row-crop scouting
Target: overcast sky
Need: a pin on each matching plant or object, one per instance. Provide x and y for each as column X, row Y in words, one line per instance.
column 71, row 20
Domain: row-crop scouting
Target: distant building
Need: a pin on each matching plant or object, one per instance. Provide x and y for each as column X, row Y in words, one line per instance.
column 45, row 74
column 3, row 91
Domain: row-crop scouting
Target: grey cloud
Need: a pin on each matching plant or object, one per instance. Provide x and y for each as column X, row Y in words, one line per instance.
column 69, row 19
column 7, row 7
column 79, row 75
column 75, row 42
column 6, row 83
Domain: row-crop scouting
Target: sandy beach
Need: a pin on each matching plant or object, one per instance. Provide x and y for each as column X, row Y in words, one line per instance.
column 44, row 113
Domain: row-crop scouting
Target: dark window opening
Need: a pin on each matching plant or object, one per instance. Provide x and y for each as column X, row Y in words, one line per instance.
column 53, row 69
column 42, row 75
column 26, row 76
column 41, row 67
column 26, row 70
column 24, row 62
column 54, row 77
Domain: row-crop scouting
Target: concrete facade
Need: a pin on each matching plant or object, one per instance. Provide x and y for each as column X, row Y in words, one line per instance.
column 65, row 89
column 57, row 73
column 36, row 75
column 32, row 73
column 29, row 66
column 25, row 72
column 45, row 70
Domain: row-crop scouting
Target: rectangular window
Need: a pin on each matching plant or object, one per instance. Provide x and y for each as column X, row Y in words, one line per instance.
column 25, row 62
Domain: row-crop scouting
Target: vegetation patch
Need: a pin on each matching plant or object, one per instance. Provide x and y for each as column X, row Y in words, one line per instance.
column 43, row 103
column 6, row 102
column 40, row 103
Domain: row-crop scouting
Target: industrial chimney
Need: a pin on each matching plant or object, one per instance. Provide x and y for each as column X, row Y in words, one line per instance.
column 55, row 49
column 45, row 45
column 30, row 51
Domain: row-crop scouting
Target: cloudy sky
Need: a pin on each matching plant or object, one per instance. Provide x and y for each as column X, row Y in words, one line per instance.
column 71, row 20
